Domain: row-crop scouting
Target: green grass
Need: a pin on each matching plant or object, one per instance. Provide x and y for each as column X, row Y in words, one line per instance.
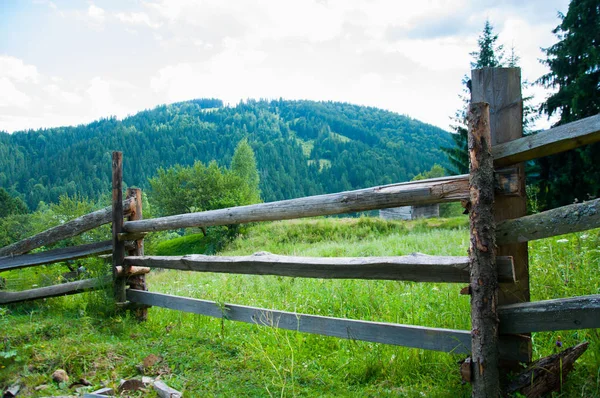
column 209, row 357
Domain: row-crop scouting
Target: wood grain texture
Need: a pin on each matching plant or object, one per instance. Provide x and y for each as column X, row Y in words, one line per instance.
column 137, row 280
column 54, row 291
column 447, row 340
column 546, row 374
column 445, row 189
column 416, row 267
column 501, row 88
column 67, row 230
column 482, row 257
column 549, row 315
column 562, row 220
column 54, row 256
column 549, row 142
column 117, row 225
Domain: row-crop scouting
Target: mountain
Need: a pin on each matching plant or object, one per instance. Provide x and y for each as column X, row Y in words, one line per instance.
column 302, row 148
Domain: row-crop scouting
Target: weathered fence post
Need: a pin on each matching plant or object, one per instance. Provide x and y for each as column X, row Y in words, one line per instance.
column 482, row 258
column 137, row 282
column 117, row 226
column 501, row 89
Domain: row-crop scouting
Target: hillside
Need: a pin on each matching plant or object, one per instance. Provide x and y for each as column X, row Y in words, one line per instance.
column 302, row 148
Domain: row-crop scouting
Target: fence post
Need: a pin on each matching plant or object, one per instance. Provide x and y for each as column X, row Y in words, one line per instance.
column 501, row 88
column 117, row 225
column 137, row 282
column 482, row 258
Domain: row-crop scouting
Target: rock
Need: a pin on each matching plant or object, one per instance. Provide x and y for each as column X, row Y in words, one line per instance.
column 60, row 376
column 131, row 385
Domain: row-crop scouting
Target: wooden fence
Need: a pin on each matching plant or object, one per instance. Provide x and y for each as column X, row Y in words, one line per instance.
column 496, row 270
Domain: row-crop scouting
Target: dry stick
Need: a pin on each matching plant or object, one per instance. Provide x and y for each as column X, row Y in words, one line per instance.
column 137, row 282
column 117, row 225
column 67, row 230
column 484, row 275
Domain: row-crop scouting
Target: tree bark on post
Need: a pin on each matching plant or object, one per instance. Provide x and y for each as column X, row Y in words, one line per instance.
column 501, row 88
column 117, row 225
column 137, row 282
column 482, row 256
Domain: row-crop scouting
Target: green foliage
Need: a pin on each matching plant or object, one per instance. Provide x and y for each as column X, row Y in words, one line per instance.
column 243, row 164
column 574, row 63
column 363, row 147
column 182, row 189
column 203, row 356
column 436, row 171
column 489, row 54
column 11, row 206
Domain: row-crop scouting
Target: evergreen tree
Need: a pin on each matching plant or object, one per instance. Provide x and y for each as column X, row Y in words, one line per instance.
column 574, row 64
column 243, row 164
column 11, row 206
column 490, row 55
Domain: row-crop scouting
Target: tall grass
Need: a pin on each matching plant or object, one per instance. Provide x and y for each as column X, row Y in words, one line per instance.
column 212, row 357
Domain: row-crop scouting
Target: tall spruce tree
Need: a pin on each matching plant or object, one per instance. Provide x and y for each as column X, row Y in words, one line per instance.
column 489, row 54
column 574, row 64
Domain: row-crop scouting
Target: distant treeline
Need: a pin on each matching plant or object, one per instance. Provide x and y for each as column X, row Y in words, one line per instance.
column 302, row 148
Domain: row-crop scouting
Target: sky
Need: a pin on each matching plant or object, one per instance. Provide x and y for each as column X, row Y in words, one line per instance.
column 72, row 62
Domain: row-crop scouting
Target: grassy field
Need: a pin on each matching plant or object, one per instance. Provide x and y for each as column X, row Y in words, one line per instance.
column 210, row 357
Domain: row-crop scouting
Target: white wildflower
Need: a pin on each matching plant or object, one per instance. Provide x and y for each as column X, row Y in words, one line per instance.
column 584, row 236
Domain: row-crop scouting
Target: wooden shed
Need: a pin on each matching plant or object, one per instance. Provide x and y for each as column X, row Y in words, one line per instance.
column 410, row 212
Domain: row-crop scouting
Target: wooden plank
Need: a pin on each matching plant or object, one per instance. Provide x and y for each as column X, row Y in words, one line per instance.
column 67, row 230
column 137, row 280
column 562, row 220
column 54, row 291
column 436, row 190
column 501, row 88
column 447, row 340
column 581, row 312
column 117, row 225
column 549, row 142
column 482, row 257
column 55, row 256
column 415, row 267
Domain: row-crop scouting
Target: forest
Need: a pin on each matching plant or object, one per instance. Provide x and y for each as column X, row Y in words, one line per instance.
column 302, row 148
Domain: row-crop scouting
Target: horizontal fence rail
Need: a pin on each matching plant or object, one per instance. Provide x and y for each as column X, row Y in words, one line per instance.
column 55, row 291
column 562, row 220
column 445, row 189
column 416, row 267
column 54, row 256
column 436, row 339
column 67, row 230
column 549, row 142
column 559, row 314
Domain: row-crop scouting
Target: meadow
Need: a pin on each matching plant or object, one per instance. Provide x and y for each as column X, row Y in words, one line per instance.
column 203, row 356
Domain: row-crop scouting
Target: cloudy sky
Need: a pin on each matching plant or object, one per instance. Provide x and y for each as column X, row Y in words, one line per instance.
column 71, row 62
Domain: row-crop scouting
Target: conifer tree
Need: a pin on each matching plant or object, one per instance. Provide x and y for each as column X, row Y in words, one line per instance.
column 574, row 63
column 489, row 54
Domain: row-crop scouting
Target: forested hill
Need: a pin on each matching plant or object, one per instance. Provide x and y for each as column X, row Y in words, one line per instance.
column 302, row 148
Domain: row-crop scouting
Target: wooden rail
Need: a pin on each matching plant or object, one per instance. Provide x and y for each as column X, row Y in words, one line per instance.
column 54, row 291
column 560, row 314
column 67, row 230
column 562, row 220
column 549, row 142
column 447, row 340
column 416, row 267
column 54, row 256
column 445, row 189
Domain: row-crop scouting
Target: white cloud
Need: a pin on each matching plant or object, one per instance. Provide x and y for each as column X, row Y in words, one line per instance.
column 96, row 13
column 11, row 96
column 16, row 69
column 137, row 18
